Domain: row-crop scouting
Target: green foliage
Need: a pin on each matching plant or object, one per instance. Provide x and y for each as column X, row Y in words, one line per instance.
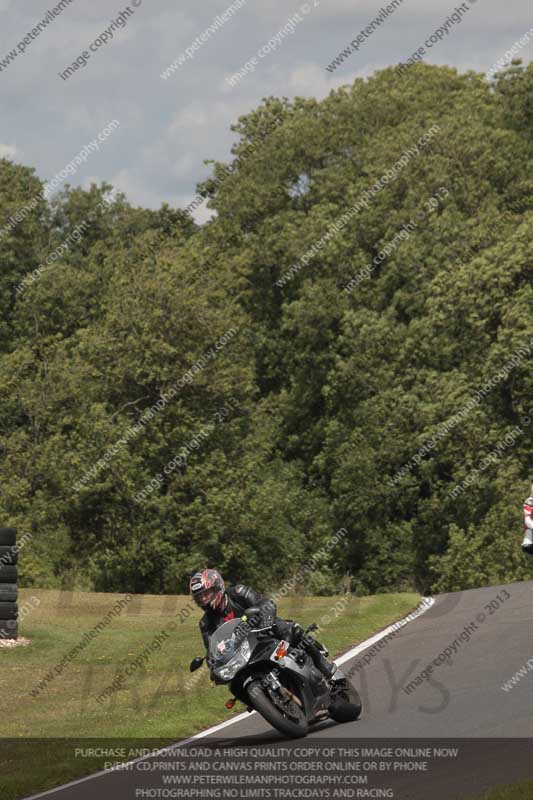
column 332, row 393
column 21, row 242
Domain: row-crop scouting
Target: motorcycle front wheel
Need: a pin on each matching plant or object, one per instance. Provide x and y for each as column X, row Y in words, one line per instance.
column 291, row 723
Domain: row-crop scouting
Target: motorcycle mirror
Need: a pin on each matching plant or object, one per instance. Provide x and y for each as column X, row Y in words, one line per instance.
column 312, row 627
column 196, row 663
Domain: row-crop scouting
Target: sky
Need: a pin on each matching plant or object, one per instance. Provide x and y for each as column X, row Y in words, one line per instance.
column 167, row 127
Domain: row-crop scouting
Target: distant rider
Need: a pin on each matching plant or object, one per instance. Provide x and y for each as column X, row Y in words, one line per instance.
column 527, row 544
column 222, row 604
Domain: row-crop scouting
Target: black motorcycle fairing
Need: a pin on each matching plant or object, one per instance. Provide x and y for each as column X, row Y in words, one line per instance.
column 295, row 671
column 314, row 690
column 289, row 679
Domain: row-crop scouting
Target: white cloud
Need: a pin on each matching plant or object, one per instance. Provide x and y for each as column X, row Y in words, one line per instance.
column 312, row 80
column 136, row 186
column 202, row 214
column 8, row 151
column 194, row 116
column 184, row 166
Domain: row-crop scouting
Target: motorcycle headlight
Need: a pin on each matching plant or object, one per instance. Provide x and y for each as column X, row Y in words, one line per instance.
column 229, row 670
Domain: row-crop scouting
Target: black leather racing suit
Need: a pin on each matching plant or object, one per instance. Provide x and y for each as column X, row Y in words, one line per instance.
column 239, row 599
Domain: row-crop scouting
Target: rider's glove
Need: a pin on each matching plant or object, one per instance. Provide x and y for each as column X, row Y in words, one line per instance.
column 268, row 613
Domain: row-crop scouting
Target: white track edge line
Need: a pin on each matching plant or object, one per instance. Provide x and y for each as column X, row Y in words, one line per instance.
column 425, row 604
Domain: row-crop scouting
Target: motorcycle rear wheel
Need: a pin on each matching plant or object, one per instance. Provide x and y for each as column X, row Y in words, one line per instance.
column 262, row 703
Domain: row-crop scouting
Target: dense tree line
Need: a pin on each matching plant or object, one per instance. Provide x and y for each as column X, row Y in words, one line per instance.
column 375, row 390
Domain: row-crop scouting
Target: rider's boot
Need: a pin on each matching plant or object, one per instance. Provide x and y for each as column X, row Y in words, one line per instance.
column 328, row 668
column 317, row 652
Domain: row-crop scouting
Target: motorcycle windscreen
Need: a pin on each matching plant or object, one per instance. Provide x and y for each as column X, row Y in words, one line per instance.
column 225, row 642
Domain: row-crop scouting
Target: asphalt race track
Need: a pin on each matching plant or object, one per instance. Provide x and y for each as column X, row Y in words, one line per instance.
column 461, row 705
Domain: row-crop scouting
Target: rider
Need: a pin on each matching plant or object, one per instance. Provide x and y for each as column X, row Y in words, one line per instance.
column 222, row 604
column 527, row 544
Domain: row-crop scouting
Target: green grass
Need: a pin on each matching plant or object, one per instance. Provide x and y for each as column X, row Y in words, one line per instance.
column 517, row 791
column 153, row 702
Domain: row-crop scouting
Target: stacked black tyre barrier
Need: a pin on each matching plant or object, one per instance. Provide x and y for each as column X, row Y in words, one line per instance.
column 8, row 584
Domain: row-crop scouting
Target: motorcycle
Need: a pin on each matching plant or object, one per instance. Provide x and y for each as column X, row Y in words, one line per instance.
column 276, row 679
